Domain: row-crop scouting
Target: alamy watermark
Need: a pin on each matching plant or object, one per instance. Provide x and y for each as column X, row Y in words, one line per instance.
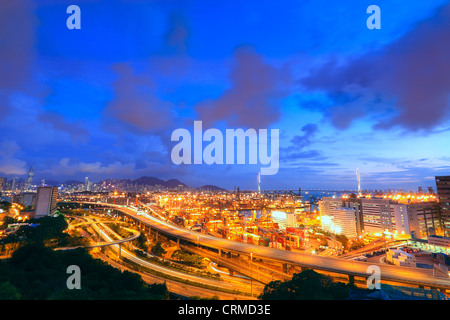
column 218, row 151
column 74, row 281
column 373, row 281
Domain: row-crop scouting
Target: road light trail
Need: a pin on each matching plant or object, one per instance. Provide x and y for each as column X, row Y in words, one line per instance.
column 407, row 275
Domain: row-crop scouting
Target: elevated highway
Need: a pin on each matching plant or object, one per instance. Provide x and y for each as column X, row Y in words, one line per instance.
column 134, row 236
column 405, row 275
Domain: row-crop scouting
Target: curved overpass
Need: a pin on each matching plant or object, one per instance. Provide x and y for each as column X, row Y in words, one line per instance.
column 135, row 235
column 407, row 275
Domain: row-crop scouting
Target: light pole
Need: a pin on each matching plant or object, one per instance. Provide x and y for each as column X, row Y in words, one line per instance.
column 251, row 275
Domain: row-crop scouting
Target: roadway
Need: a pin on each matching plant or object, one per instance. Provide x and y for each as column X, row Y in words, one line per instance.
column 227, row 285
column 135, row 235
column 409, row 275
column 180, row 289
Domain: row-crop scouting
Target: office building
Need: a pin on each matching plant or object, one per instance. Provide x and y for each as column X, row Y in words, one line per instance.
column 14, row 184
column 27, row 199
column 341, row 220
column 401, row 218
column 344, row 221
column 326, row 204
column 424, row 219
column 371, row 215
column 443, row 191
column 29, row 179
column 46, row 201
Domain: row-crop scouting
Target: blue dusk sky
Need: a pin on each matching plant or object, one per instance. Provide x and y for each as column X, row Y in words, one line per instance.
column 103, row 101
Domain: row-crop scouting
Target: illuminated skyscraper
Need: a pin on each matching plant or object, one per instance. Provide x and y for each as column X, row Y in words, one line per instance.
column 30, row 178
column 259, row 182
column 86, row 184
column 359, row 180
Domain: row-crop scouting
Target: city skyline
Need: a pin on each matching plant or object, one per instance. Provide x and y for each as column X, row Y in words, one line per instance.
column 252, row 152
column 103, row 101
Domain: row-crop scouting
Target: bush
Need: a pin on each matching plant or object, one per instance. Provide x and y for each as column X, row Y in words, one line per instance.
column 307, row 285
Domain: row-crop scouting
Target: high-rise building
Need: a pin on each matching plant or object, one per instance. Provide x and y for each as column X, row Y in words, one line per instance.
column 355, row 203
column 14, row 184
column 21, row 184
column 46, row 201
column 29, row 179
column 259, row 182
column 372, row 215
column 2, row 183
column 26, row 199
column 443, row 191
column 423, row 219
column 326, row 204
column 86, row 184
column 359, row 180
column 343, row 221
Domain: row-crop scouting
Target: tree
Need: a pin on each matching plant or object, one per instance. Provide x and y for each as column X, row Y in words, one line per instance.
column 38, row 272
column 9, row 292
column 158, row 250
column 141, row 242
column 7, row 220
column 190, row 259
column 306, row 285
column 5, row 205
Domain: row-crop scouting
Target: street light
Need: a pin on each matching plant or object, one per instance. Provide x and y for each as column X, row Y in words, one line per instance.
column 251, row 275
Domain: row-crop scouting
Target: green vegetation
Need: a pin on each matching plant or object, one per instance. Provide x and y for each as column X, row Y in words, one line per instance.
column 188, row 258
column 158, row 250
column 6, row 220
column 119, row 230
column 141, row 242
column 38, row 272
column 72, row 212
column 357, row 244
column 5, row 205
column 339, row 237
column 344, row 240
column 46, row 230
column 306, row 285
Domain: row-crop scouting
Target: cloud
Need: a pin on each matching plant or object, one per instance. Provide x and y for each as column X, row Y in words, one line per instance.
column 305, row 139
column 67, row 168
column 299, row 142
column 8, row 163
column 177, row 35
column 58, row 122
column 254, row 98
column 405, row 84
column 136, row 106
column 16, row 48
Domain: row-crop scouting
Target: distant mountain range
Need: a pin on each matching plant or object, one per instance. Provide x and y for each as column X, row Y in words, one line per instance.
column 149, row 181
